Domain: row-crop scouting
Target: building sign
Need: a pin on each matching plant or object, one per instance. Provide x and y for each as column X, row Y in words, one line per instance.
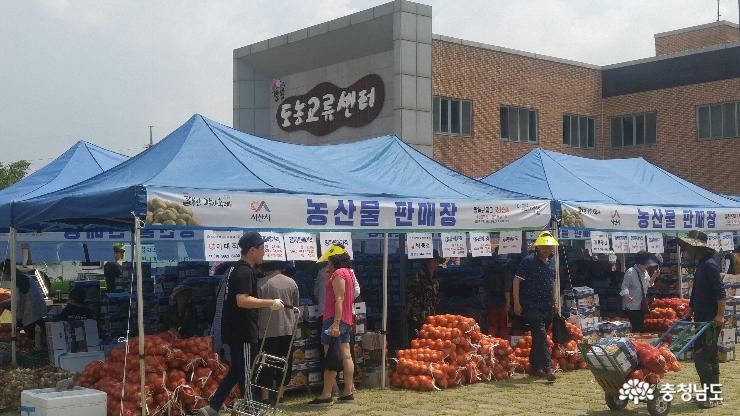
column 327, row 107
column 644, row 218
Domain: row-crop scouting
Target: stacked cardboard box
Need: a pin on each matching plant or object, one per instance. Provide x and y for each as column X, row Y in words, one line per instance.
column 583, row 307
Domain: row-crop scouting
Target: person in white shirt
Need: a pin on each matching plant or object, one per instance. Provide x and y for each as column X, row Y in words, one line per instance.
column 635, row 285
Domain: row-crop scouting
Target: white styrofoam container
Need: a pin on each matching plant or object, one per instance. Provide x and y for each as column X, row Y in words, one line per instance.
column 75, row 362
column 50, row 402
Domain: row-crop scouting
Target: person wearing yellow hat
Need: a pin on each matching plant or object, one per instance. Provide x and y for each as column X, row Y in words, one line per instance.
column 533, row 300
column 338, row 321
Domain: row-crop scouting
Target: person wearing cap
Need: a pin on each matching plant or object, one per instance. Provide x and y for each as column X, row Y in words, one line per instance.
column 735, row 261
column 239, row 304
column 422, row 293
column 76, row 310
column 532, row 290
column 112, row 269
column 634, row 288
column 31, row 308
column 181, row 314
column 276, row 327
column 707, row 304
column 338, row 320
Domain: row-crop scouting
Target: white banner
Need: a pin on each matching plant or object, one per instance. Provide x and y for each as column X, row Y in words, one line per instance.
column 454, row 245
column 480, row 244
column 510, row 242
column 345, row 239
column 296, row 212
column 274, row 246
column 419, row 246
column 300, row 246
column 727, row 242
column 713, row 241
column 620, row 243
column 655, row 243
column 112, row 236
column 659, row 219
column 599, row 242
column 222, row 245
column 637, row 243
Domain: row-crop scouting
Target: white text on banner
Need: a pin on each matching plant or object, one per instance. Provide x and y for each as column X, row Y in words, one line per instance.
column 713, row 241
column 454, row 245
column 419, row 245
column 480, row 244
column 637, row 243
column 345, row 239
column 274, row 246
column 655, row 243
column 620, row 243
column 222, row 245
column 599, row 242
column 300, row 246
column 726, row 242
column 510, row 242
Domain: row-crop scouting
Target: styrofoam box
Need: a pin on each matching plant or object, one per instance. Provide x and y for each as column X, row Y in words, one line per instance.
column 75, row 362
column 50, row 402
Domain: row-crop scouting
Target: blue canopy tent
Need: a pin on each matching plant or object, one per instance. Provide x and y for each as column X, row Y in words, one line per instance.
column 733, row 197
column 615, row 193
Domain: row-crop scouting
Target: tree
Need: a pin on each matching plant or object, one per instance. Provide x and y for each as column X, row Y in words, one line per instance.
column 13, row 172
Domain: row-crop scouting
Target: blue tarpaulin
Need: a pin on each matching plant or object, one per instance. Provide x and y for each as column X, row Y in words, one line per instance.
column 205, row 155
column 80, row 162
column 634, row 181
column 733, row 197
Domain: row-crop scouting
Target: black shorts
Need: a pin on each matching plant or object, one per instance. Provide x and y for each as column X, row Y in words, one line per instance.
column 279, row 347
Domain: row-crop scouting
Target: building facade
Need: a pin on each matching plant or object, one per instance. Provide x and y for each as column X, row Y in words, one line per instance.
column 477, row 107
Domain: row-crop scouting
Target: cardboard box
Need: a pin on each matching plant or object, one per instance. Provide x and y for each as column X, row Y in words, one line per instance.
column 726, row 337
column 299, row 376
column 75, row 362
column 372, row 344
column 372, row 377
column 71, row 337
column 313, row 314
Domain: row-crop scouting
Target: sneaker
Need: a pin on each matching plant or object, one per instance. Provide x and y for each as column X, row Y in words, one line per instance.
column 317, row 402
column 207, row 411
column 549, row 375
column 346, row 399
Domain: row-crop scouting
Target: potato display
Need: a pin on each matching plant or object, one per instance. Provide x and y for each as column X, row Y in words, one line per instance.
column 159, row 211
column 572, row 218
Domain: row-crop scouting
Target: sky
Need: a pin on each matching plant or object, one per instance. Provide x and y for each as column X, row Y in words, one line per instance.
column 102, row 71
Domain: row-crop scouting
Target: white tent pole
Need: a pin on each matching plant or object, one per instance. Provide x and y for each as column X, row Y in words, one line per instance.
column 557, row 268
column 14, row 299
column 680, row 270
column 140, row 310
column 385, row 310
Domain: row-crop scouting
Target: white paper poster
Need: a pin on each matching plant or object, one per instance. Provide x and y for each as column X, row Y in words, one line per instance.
column 599, row 242
column 510, row 242
column 620, row 243
column 480, row 245
column 274, row 246
column 419, row 245
column 637, row 243
column 454, row 245
column 727, row 242
column 300, row 246
column 345, row 239
column 222, row 245
column 713, row 241
column 655, row 243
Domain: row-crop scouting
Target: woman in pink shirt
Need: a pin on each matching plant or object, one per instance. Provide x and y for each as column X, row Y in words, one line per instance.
column 338, row 321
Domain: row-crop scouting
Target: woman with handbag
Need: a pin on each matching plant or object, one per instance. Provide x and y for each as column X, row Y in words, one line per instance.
column 635, row 285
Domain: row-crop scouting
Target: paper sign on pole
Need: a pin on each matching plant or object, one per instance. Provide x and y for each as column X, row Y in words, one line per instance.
column 727, row 242
column 345, row 239
column 655, row 243
column 274, row 246
column 480, row 245
column 454, row 245
column 713, row 241
column 222, row 245
column 510, row 242
column 637, row 243
column 419, row 245
column 620, row 243
column 599, row 242
column 300, row 246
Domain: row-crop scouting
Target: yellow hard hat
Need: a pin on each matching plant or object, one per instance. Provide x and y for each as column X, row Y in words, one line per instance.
column 333, row 250
column 546, row 239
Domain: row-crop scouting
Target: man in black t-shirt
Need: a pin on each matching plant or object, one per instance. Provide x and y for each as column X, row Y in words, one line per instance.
column 239, row 320
column 76, row 309
column 112, row 269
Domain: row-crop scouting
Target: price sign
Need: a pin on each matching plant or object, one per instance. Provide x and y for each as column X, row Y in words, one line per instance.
column 222, row 245
column 419, row 245
column 637, row 243
column 620, row 243
column 727, row 242
column 344, row 239
column 713, row 241
column 655, row 243
column 480, row 245
column 510, row 242
column 300, row 246
column 274, row 246
column 599, row 242
column 454, row 245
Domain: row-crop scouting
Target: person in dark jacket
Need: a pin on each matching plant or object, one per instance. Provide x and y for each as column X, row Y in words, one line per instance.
column 707, row 304
column 76, row 310
column 181, row 314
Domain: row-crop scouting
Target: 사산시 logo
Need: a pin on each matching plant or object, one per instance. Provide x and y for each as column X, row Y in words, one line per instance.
column 635, row 391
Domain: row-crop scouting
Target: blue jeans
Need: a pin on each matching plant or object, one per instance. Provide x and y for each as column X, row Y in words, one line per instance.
column 345, row 332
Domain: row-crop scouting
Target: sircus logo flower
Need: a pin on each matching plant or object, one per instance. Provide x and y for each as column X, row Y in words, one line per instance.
column 636, row 390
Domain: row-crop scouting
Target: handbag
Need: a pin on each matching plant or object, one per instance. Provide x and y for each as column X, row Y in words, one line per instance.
column 644, row 306
column 560, row 333
column 333, row 359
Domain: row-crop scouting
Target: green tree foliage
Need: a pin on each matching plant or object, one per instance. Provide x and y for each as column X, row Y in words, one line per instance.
column 13, row 172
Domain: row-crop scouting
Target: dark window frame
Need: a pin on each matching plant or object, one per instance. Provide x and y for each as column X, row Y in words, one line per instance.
column 578, row 142
column 712, row 135
column 464, row 131
column 533, row 120
column 648, row 138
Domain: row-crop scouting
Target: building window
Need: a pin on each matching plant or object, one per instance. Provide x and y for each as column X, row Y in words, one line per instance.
column 633, row 130
column 518, row 124
column 579, row 131
column 717, row 121
column 452, row 116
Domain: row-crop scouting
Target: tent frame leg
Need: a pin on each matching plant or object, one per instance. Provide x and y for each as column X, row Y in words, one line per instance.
column 385, row 311
column 140, row 309
column 14, row 298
